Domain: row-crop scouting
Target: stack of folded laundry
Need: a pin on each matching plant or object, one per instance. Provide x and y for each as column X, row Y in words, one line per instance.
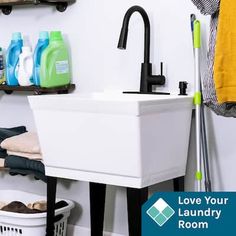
column 23, row 145
column 20, row 152
column 7, row 133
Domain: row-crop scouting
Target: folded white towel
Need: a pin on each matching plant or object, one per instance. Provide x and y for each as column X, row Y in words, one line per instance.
column 26, row 143
column 31, row 156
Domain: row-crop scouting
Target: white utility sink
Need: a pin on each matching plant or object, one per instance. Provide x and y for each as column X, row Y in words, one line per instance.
column 129, row 140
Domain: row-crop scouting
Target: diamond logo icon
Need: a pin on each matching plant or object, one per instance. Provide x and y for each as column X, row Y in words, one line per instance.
column 160, row 212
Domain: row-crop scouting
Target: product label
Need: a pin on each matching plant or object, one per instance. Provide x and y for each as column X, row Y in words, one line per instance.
column 62, row 67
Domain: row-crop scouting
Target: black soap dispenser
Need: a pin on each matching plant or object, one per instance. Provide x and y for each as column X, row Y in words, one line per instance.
column 183, row 87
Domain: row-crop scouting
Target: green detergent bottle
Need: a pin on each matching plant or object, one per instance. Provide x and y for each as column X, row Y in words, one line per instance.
column 55, row 67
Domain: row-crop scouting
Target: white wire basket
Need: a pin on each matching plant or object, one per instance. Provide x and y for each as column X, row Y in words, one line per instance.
column 18, row 224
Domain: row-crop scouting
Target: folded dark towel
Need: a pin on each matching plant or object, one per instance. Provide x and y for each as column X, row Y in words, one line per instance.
column 16, row 162
column 24, row 166
column 7, row 133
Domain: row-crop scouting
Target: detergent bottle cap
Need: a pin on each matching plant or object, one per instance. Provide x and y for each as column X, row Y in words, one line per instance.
column 56, row 36
column 16, row 36
column 43, row 35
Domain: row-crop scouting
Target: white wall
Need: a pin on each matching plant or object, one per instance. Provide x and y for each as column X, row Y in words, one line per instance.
column 91, row 28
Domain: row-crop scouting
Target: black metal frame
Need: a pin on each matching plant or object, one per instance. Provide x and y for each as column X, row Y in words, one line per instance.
column 38, row 90
column 61, row 5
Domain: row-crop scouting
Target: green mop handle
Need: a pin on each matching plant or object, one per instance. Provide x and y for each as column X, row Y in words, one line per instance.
column 197, row 34
column 197, row 99
column 197, row 45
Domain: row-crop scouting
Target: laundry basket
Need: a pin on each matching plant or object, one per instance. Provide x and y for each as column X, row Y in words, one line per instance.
column 18, row 224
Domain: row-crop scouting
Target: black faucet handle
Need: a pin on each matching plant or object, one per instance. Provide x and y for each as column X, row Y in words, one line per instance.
column 157, row 79
column 161, row 68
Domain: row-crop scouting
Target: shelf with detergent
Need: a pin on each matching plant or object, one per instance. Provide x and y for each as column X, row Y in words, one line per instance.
column 6, row 5
column 38, row 90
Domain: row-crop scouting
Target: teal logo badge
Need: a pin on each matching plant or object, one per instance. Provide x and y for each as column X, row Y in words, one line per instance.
column 160, row 212
column 189, row 214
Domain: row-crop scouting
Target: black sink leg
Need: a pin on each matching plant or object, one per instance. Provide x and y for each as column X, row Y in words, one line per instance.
column 97, row 207
column 178, row 184
column 135, row 200
column 51, row 201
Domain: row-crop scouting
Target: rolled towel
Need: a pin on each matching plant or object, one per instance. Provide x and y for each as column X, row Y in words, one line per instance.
column 26, row 142
column 31, row 156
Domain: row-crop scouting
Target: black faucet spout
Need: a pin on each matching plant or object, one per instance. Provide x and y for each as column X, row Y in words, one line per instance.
column 124, row 31
column 147, row 79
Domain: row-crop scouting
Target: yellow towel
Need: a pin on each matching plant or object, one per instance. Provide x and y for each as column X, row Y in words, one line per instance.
column 225, row 53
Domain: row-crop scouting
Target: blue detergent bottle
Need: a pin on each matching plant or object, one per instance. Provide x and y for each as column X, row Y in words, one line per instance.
column 42, row 44
column 12, row 58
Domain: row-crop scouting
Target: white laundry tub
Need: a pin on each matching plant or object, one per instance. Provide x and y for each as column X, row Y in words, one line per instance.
column 121, row 139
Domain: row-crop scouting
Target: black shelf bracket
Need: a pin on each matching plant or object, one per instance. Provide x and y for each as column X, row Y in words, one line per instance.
column 61, row 5
column 36, row 90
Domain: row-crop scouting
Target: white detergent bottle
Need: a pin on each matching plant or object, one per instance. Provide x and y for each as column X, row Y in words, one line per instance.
column 25, row 70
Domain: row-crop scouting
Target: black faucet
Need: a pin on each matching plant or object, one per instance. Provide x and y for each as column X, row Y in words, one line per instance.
column 147, row 79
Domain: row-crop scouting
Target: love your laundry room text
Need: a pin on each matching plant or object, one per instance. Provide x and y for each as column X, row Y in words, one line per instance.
column 208, row 212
